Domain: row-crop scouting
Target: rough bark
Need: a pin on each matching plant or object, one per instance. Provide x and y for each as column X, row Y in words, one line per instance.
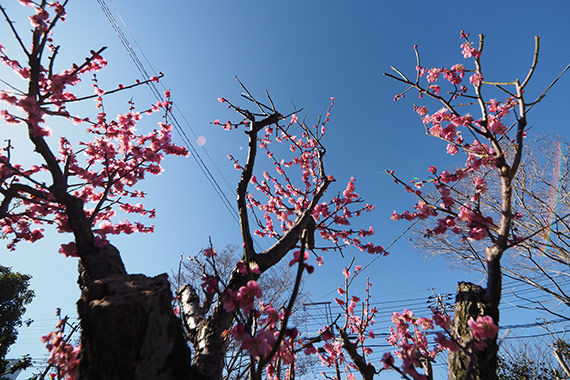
column 472, row 364
column 129, row 330
column 99, row 264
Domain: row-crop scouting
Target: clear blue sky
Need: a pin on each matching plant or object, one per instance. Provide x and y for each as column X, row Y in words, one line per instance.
column 305, row 52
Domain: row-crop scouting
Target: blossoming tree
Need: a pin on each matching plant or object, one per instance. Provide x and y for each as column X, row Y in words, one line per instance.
column 541, row 196
column 78, row 187
column 291, row 210
column 492, row 147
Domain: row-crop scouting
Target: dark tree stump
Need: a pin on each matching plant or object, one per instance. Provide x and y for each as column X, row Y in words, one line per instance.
column 130, row 331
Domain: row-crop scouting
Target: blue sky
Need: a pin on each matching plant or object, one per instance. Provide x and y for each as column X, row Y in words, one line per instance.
column 302, row 52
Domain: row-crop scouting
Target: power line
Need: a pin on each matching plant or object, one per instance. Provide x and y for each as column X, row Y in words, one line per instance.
column 187, row 123
column 152, row 86
column 177, row 125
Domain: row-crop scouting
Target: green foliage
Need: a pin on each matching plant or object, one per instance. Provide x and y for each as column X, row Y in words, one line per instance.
column 14, row 296
column 522, row 367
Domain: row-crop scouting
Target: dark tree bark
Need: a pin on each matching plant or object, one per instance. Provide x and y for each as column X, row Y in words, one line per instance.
column 472, row 364
column 129, row 330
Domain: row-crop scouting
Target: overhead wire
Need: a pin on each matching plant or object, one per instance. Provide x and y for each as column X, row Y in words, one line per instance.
column 186, row 122
column 174, row 118
column 383, row 316
column 316, row 319
column 177, row 125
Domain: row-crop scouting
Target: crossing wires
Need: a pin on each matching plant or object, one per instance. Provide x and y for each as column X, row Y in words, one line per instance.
column 176, row 113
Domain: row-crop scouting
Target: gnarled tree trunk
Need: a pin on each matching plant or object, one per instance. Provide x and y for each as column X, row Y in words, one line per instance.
column 129, row 330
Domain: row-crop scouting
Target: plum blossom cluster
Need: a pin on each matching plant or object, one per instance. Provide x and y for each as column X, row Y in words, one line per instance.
column 62, row 355
column 356, row 324
column 410, row 336
column 351, row 348
column 450, row 124
column 454, row 75
column 297, row 257
column 483, row 328
column 262, row 329
column 40, row 20
column 297, row 178
column 101, row 172
column 242, row 299
column 262, row 342
column 258, row 323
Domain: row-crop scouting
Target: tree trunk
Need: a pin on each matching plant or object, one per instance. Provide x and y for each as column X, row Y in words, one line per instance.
column 129, row 330
column 472, row 364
